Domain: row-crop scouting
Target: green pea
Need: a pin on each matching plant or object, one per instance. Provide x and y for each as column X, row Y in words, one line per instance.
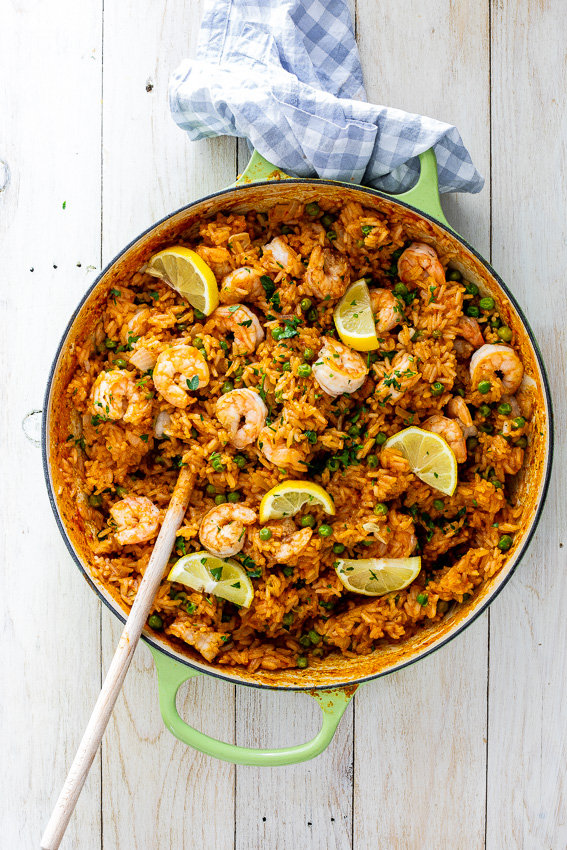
column 304, row 370
column 308, row 354
column 486, row 428
column 313, row 315
column 265, row 534
column 239, row 372
column 473, row 312
column 504, row 409
column 276, row 333
column 286, row 229
column 198, row 342
column 314, row 637
column 472, row 443
column 453, row 274
column 401, row 289
column 304, row 640
column 110, row 343
column 240, row 461
column 518, row 422
column 496, row 483
column 217, row 464
column 199, row 315
column 437, row 389
column 495, row 322
column 307, row 521
column 155, row 622
column 422, row 598
column 460, row 391
column 325, row 530
column 327, row 220
column 521, row 443
column 148, row 396
column 372, row 461
column 211, row 490
column 313, row 208
column 288, row 571
column 354, row 431
column 331, row 235
column 302, row 662
column 484, row 410
column 486, row 303
column 484, row 387
column 220, row 499
column 381, row 509
column 194, row 433
column 95, row 501
column 305, row 304
column 338, row 548
column 120, row 362
column 442, row 606
column 287, row 619
column 286, row 367
column 471, row 288
column 381, row 438
column 224, row 344
column 505, row 333
column 227, row 387
column 332, row 464
column 438, row 504
column 505, row 543
column 233, row 497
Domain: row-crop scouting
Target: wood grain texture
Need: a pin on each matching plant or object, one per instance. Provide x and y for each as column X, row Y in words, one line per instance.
column 151, row 169
column 433, row 58
column 527, row 748
column 50, row 141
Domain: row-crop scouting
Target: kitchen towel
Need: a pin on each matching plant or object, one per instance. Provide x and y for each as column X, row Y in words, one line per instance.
column 286, row 75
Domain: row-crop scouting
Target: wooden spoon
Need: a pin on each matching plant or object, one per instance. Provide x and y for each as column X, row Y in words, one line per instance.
column 119, row 667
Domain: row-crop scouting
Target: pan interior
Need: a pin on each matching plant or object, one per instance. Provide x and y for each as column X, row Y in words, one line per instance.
column 530, row 483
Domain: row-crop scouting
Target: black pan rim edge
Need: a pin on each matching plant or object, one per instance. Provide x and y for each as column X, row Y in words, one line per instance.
column 153, row 643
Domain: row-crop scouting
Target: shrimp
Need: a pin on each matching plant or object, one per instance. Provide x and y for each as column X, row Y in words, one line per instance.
column 386, row 309
column 451, row 432
column 199, row 635
column 292, row 545
column 398, row 378
column 241, row 322
column 137, row 519
column 276, row 450
column 217, row 258
column 418, row 264
column 327, row 275
column 175, row 372
column 457, row 409
column 338, row 369
column 240, row 285
column 223, row 529
column 497, row 362
column 115, row 395
column 234, row 406
column 282, row 257
column 470, row 329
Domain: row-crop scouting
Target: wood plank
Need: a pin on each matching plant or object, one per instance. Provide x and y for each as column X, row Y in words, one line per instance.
column 49, row 644
column 314, row 812
column 429, row 57
column 153, row 786
column 527, row 756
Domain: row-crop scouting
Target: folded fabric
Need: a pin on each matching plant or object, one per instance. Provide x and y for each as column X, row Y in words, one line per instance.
column 285, row 74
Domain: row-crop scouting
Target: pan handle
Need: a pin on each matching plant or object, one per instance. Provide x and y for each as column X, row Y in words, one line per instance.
column 424, row 195
column 172, row 674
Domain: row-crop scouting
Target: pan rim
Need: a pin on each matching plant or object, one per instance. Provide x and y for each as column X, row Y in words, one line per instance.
column 477, row 611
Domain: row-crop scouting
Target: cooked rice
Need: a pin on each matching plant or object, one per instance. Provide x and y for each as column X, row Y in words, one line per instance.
column 458, row 544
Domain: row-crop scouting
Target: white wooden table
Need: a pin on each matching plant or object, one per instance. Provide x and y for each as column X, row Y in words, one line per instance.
column 465, row 750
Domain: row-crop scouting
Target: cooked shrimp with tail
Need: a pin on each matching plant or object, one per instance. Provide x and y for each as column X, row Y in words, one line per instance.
column 239, row 321
column 451, row 432
column 327, row 275
column 397, row 377
column 243, row 414
column 115, row 395
column 136, row 518
column 275, row 448
column 386, row 309
column 498, row 363
column 418, row 264
column 223, row 529
column 458, row 410
column 241, row 285
column 338, row 369
column 179, row 371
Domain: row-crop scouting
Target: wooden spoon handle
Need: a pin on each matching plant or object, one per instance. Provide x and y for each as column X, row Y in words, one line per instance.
column 117, row 671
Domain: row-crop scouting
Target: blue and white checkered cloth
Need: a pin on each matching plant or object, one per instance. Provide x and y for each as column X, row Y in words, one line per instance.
column 285, row 74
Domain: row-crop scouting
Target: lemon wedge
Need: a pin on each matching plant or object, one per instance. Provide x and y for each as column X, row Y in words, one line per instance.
column 430, row 457
column 287, row 498
column 377, row 576
column 354, row 319
column 219, row 576
column 188, row 274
